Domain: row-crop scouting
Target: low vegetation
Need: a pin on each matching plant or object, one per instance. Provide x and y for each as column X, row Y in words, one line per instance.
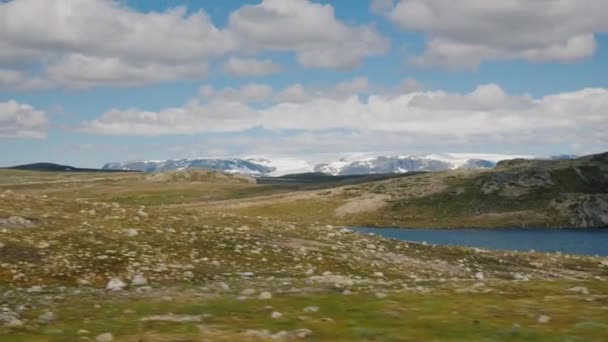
column 199, row 256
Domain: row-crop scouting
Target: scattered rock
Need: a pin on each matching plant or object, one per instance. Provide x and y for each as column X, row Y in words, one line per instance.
column 543, row 319
column 47, row 317
column 35, row 289
column 144, row 289
column 248, row 292
column 116, row 284
column 43, row 245
column 131, row 232
column 105, row 337
column 139, row 280
column 579, row 290
column 16, row 222
column 173, row 318
column 265, row 295
column 276, row 314
column 339, row 281
column 301, row 333
column 142, row 213
column 10, row 319
column 311, row 309
column 519, row 276
column 266, row 335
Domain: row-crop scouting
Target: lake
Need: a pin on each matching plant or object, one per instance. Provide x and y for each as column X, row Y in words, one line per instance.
column 571, row 241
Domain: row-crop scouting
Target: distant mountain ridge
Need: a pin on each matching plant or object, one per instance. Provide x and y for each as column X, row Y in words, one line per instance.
column 400, row 164
column 229, row 165
column 59, row 168
column 352, row 165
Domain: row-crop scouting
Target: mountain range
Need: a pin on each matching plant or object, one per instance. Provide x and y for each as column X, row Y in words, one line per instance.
column 356, row 164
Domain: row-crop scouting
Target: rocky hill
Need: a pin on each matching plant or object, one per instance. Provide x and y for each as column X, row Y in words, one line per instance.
column 517, row 193
column 550, row 192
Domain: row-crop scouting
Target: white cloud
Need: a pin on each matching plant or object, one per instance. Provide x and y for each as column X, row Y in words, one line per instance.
column 15, row 80
column 293, row 93
column 311, row 30
column 246, row 94
column 486, row 114
column 193, row 117
column 105, row 29
column 345, row 89
column 86, row 43
column 240, row 67
column 462, row 34
column 297, row 93
column 79, row 71
column 101, row 42
column 21, row 121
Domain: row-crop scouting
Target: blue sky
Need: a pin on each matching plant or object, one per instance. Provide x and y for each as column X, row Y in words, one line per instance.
column 86, row 82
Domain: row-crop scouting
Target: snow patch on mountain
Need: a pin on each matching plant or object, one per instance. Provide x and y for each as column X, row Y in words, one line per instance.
column 284, row 165
column 347, row 164
column 411, row 163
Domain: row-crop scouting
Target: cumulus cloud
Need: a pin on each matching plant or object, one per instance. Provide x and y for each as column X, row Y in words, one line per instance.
column 311, row 30
column 85, row 43
column 487, row 113
column 240, row 67
column 21, row 121
column 295, row 93
column 16, row 80
column 462, row 34
column 80, row 71
column 101, row 42
column 105, row 28
column 245, row 94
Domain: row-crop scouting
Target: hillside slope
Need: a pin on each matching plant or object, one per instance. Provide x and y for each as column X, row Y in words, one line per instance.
column 528, row 193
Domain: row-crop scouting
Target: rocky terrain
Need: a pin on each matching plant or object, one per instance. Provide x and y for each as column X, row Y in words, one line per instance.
column 199, row 256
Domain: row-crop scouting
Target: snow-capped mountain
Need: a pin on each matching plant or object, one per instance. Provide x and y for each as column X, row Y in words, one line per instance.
column 353, row 164
column 230, row 165
column 402, row 164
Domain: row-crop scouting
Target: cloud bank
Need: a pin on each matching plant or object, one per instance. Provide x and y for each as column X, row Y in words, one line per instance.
column 462, row 34
column 487, row 113
column 86, row 43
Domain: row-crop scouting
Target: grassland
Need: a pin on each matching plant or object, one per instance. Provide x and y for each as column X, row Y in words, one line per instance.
column 209, row 257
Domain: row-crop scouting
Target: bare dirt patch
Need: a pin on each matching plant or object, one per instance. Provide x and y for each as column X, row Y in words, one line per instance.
column 362, row 205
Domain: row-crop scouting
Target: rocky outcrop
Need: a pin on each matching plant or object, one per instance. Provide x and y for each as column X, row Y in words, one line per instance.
column 577, row 189
column 585, row 211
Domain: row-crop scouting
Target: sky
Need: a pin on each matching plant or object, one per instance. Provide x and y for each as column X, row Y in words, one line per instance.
column 85, row 82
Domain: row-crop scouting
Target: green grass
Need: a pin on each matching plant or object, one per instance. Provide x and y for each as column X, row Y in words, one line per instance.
column 442, row 315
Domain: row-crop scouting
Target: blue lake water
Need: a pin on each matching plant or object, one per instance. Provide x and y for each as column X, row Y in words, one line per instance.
column 571, row 241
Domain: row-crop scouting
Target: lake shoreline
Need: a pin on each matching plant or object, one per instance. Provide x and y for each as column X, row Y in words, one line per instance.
column 572, row 241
